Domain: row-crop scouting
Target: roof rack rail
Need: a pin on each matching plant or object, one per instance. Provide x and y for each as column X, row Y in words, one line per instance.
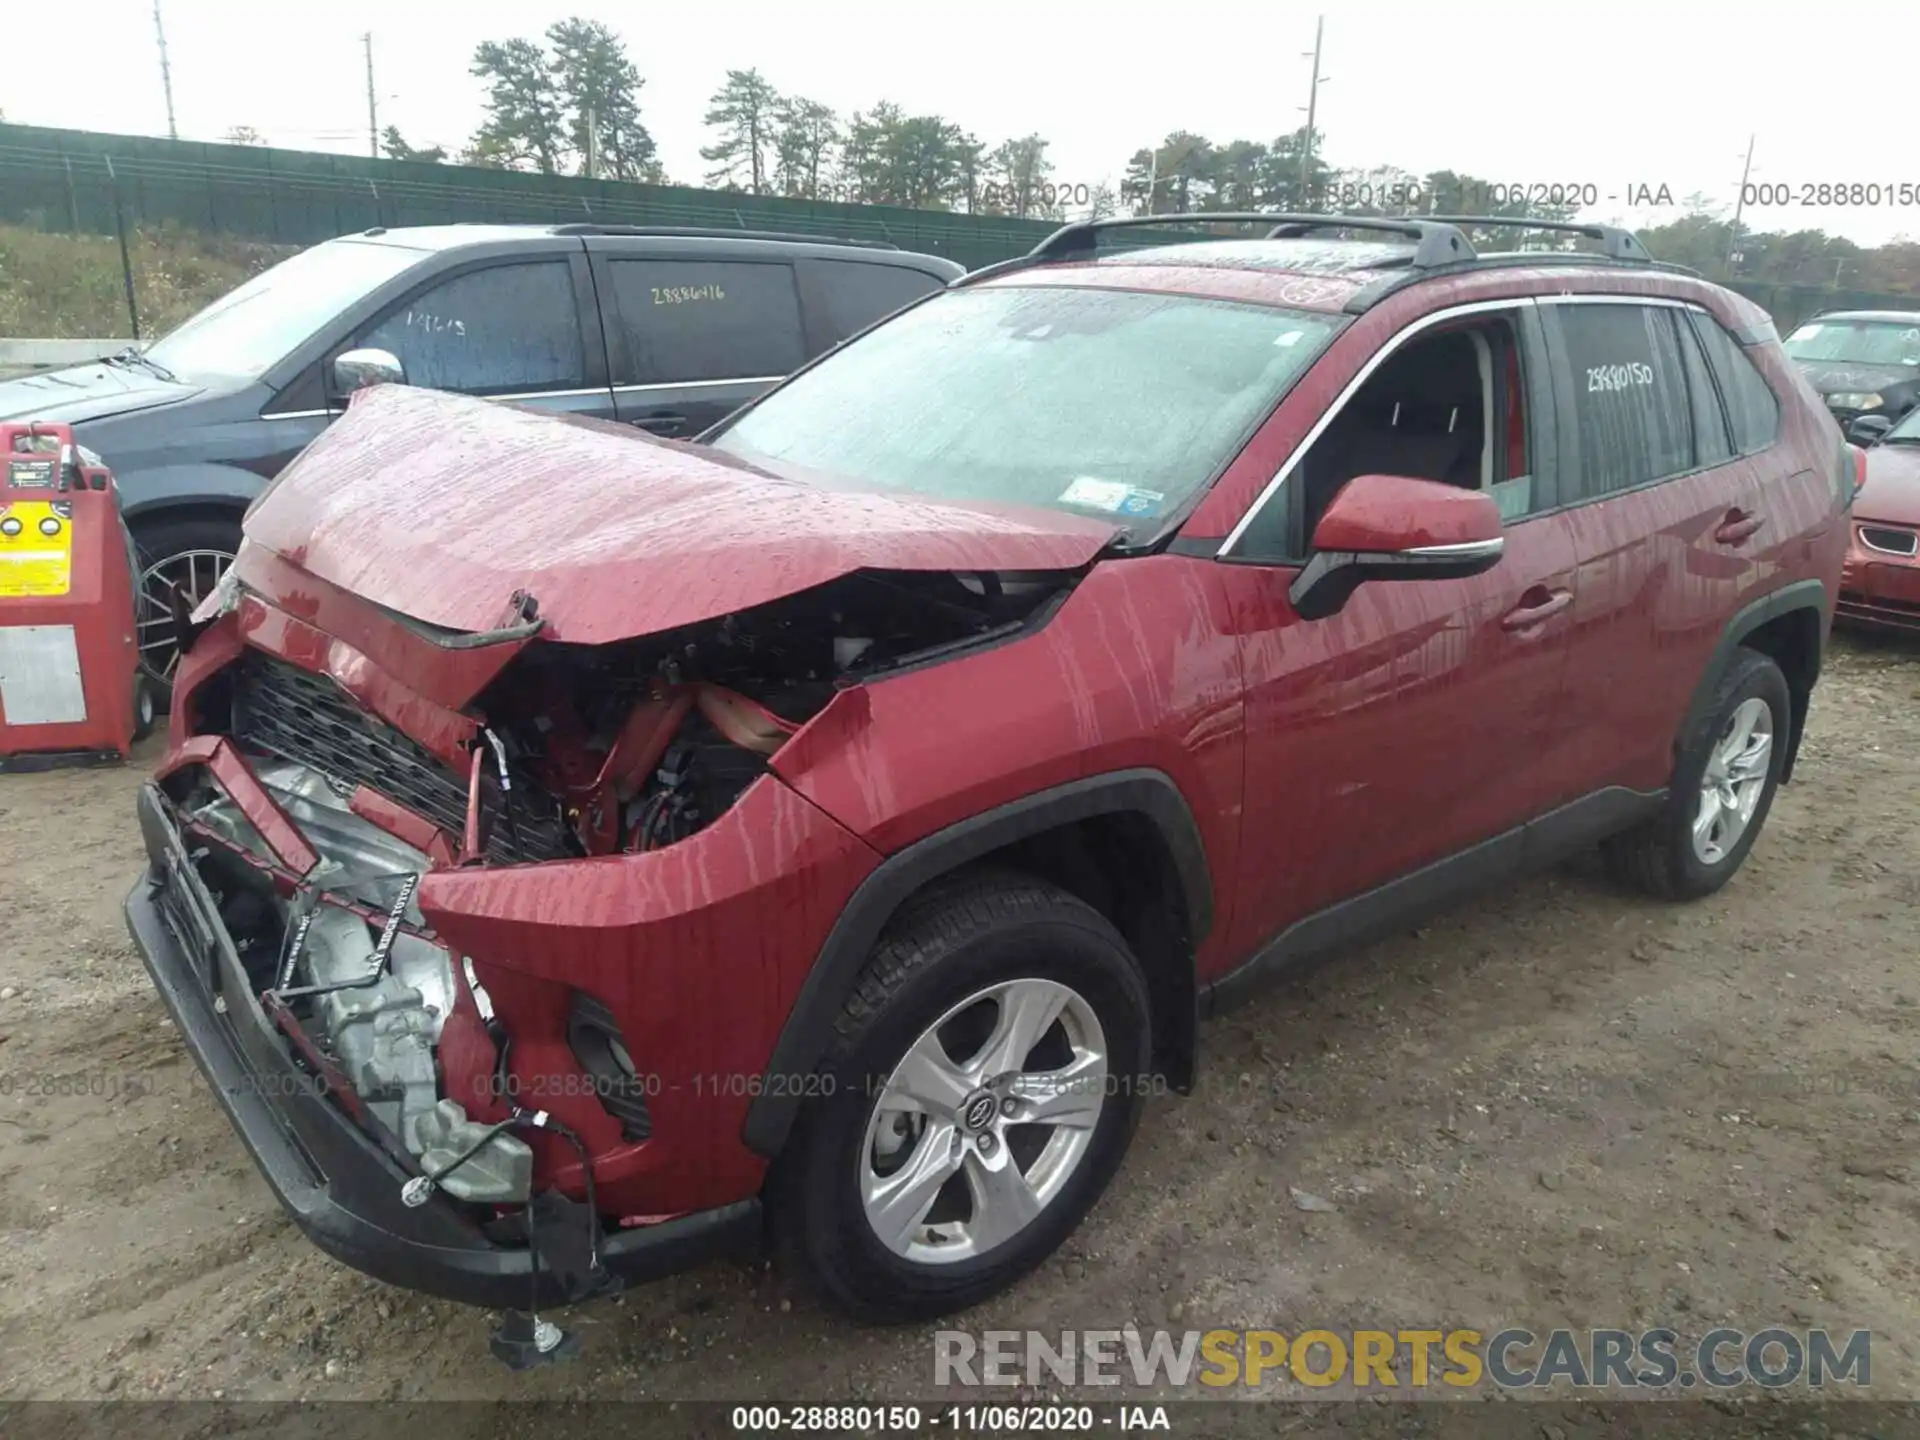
column 716, row 232
column 1617, row 243
column 1436, row 242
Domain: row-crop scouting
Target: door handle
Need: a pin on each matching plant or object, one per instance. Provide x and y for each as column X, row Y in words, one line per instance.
column 663, row 424
column 1537, row 605
column 1737, row 528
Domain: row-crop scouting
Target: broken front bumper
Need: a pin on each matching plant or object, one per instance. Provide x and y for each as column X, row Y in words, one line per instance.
column 340, row 1187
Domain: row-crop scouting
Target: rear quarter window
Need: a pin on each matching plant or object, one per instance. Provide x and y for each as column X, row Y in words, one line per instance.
column 1751, row 405
column 855, row 295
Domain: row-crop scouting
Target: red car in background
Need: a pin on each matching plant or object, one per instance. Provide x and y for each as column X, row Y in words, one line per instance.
column 576, row 848
column 1881, row 583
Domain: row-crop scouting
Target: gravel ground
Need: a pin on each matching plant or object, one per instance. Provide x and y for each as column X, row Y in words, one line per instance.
column 1560, row 1105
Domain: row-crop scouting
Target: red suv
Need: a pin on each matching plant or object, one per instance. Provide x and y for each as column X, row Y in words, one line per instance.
column 573, row 844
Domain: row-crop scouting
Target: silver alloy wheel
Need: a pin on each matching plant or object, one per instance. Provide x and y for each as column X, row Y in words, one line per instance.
column 195, row 572
column 1735, row 778
column 1013, row 1135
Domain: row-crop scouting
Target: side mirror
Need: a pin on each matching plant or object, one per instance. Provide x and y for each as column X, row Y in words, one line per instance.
column 356, row 369
column 1868, row 429
column 1392, row 527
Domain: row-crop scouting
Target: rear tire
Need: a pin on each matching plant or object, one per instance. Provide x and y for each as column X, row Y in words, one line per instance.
column 1696, row 843
column 953, row 985
column 195, row 551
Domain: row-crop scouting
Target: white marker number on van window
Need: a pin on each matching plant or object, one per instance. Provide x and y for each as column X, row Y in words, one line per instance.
column 1618, row 377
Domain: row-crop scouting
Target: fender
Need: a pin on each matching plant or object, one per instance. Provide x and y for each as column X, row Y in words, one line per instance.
column 809, row 1027
column 1800, row 595
column 148, row 492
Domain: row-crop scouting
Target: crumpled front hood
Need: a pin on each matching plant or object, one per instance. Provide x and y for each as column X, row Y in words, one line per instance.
column 1892, row 491
column 86, row 392
column 441, row 507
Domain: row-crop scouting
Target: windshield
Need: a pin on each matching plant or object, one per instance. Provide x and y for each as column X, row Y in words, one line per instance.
column 1857, row 342
column 246, row 332
column 1094, row 401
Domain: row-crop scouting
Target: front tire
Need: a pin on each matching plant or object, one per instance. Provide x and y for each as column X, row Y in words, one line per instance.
column 1723, row 786
column 192, row 554
column 982, row 1086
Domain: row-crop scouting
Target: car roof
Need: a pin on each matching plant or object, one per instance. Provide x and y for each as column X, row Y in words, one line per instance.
column 1314, row 276
column 433, row 238
column 1332, row 276
column 1298, row 263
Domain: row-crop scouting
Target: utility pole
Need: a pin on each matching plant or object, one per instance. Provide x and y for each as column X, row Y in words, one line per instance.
column 593, row 145
column 166, row 75
column 1739, row 205
column 373, row 119
column 1313, row 96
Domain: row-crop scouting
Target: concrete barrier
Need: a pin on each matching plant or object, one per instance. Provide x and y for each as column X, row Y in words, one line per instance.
column 25, row 356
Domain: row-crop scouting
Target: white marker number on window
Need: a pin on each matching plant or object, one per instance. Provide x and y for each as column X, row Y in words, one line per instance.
column 1618, row 377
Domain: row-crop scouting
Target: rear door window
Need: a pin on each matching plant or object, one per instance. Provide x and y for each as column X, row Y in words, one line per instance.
column 1632, row 417
column 502, row 330
column 685, row 321
column 856, row 294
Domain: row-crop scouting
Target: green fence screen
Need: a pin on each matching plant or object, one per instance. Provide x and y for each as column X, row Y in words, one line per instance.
column 66, row 180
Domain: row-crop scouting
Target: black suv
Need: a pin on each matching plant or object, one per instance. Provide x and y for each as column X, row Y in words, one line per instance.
column 667, row 329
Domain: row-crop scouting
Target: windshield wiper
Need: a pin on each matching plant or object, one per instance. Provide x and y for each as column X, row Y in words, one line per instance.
column 132, row 358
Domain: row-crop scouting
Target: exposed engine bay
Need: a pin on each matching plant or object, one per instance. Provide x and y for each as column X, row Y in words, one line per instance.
column 372, row 997
column 646, row 742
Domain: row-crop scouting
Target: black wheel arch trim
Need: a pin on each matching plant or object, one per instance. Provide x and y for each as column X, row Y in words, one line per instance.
column 809, row 1024
column 1800, row 595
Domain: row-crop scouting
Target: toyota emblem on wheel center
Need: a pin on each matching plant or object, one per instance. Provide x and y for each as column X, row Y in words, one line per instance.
column 979, row 1110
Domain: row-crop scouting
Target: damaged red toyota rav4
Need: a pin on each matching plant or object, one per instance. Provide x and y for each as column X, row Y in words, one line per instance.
column 577, row 850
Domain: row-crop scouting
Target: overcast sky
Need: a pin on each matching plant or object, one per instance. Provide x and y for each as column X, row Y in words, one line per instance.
column 1615, row 96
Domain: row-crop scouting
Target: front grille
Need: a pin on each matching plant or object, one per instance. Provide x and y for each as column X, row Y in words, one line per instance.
column 306, row 718
column 1889, row 541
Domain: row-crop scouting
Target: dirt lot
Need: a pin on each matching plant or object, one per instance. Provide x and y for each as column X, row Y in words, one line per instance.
column 1559, row 1106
